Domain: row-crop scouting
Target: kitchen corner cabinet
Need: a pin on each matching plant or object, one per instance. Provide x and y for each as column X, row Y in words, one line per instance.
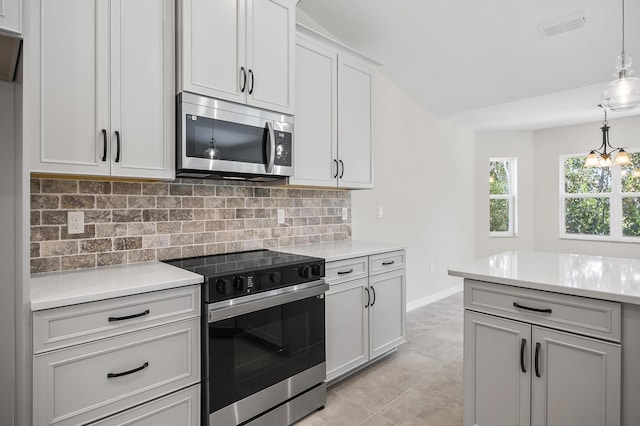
column 11, row 17
column 334, row 100
column 137, row 356
column 520, row 371
column 103, row 97
column 238, row 50
column 365, row 310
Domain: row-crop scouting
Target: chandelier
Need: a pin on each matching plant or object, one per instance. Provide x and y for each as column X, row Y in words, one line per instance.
column 601, row 157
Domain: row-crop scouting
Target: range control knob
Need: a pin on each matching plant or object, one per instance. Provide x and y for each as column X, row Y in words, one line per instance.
column 263, row 281
column 315, row 269
column 223, row 287
column 275, row 278
column 240, row 283
column 304, row 271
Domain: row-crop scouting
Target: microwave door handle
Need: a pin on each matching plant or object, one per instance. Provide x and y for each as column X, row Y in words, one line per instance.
column 272, row 148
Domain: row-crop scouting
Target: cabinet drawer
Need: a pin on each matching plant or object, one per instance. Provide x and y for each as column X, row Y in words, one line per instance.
column 76, row 385
column 591, row 317
column 179, row 408
column 70, row 325
column 346, row 270
column 386, row 261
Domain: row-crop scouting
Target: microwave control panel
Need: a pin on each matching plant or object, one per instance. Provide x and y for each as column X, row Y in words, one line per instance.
column 283, row 148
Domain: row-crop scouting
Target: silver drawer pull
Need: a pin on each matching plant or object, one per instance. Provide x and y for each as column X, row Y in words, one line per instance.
column 388, row 263
column 141, row 314
column 126, row 373
column 345, row 272
column 526, row 308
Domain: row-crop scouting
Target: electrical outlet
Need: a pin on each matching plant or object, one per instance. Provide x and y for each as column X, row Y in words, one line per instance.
column 280, row 216
column 345, row 213
column 75, row 222
column 380, row 212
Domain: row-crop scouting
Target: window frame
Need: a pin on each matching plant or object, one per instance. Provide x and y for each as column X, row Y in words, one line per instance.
column 615, row 205
column 512, row 197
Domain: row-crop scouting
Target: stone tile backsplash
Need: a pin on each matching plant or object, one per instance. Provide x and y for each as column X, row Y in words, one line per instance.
column 128, row 222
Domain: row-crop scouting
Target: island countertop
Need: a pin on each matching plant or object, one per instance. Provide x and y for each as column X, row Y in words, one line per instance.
column 607, row 278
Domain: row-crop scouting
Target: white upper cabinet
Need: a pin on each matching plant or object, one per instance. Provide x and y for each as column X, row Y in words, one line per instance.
column 11, row 17
column 355, row 123
column 238, row 50
column 334, row 89
column 316, row 134
column 103, row 77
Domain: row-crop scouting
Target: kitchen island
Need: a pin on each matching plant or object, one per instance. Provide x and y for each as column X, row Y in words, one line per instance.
column 551, row 339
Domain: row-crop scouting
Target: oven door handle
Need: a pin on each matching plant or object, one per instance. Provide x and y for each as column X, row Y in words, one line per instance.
column 227, row 309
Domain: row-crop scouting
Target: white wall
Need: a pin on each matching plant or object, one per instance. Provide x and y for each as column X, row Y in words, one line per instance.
column 549, row 145
column 504, row 144
column 7, row 253
column 424, row 182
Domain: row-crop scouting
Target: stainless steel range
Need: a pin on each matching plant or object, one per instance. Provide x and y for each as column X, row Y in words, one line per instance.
column 263, row 340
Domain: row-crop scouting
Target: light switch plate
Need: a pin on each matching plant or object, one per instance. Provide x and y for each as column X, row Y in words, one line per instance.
column 75, row 222
column 345, row 213
column 280, row 216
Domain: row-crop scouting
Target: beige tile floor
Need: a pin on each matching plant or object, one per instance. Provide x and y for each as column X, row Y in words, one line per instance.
column 420, row 384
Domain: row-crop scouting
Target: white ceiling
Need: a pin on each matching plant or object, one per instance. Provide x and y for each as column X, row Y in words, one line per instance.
column 484, row 64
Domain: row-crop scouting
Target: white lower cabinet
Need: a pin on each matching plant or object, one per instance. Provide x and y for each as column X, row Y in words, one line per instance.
column 518, row 373
column 89, row 381
column 179, row 408
column 347, row 327
column 365, row 316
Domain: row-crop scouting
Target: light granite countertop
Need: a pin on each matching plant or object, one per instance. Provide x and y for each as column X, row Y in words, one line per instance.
column 341, row 250
column 55, row 289
column 606, row 278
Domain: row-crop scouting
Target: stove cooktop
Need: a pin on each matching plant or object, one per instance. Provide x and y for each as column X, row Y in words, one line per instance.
column 232, row 275
column 244, row 261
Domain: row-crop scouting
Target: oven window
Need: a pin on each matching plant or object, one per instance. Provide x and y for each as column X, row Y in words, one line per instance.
column 229, row 141
column 256, row 350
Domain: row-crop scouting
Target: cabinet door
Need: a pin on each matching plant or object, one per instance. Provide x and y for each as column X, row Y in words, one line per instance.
column 315, row 148
column 387, row 311
column 355, row 123
column 270, row 50
column 11, row 17
column 497, row 368
column 579, row 380
column 68, row 116
column 142, row 89
column 212, row 48
column 180, row 408
column 347, row 327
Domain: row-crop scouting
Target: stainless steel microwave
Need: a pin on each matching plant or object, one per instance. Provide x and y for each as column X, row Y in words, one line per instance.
column 218, row 139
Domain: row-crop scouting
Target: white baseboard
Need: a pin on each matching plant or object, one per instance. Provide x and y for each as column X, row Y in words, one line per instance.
column 433, row 298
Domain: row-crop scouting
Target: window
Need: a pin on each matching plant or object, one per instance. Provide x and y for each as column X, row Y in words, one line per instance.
column 502, row 197
column 599, row 203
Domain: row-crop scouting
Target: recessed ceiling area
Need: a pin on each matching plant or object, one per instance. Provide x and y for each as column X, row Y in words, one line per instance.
column 485, row 65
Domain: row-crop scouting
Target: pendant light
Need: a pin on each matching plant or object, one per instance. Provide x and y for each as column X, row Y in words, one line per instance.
column 623, row 93
column 600, row 157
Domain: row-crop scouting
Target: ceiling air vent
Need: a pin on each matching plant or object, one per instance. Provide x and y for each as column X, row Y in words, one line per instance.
column 562, row 25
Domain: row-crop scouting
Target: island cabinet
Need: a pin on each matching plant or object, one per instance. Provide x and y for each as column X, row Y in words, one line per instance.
column 365, row 310
column 539, row 358
column 11, row 17
column 102, row 88
column 238, row 50
column 131, row 360
column 334, row 89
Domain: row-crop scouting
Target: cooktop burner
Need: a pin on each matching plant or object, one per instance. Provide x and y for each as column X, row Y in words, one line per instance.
column 238, row 274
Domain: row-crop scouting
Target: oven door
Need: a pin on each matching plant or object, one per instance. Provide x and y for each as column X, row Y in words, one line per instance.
column 263, row 350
